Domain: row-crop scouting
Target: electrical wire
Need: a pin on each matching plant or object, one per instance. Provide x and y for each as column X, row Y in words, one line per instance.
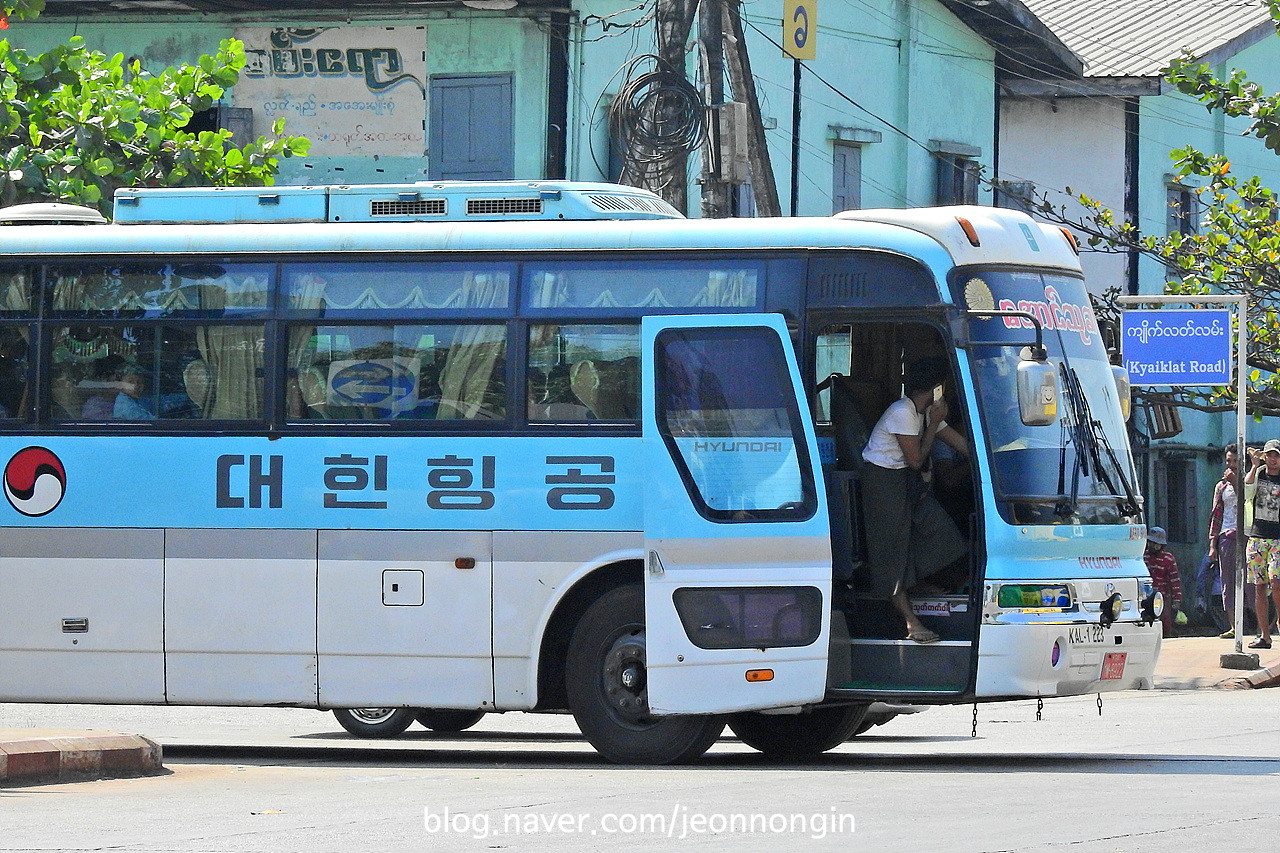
column 655, row 119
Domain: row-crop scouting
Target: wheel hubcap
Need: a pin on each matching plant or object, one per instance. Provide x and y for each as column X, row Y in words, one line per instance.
column 372, row 715
column 626, row 683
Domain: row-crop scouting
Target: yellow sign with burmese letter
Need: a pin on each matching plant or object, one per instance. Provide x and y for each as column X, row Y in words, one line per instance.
column 800, row 28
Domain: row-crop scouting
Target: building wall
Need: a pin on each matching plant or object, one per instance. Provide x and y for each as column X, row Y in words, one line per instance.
column 453, row 43
column 907, row 64
column 1076, row 143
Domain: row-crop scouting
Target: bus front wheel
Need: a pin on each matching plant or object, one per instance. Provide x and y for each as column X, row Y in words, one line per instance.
column 606, row 680
column 798, row 735
column 448, row 721
column 375, row 722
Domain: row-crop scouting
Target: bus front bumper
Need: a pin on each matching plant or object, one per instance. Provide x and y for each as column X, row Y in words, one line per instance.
column 1065, row 659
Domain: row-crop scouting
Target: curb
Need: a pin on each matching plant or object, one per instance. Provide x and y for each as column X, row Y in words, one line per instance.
column 65, row 756
column 1268, row 676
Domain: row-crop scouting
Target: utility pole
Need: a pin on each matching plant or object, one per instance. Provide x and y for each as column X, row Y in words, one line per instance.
column 744, row 89
column 715, row 190
column 674, row 21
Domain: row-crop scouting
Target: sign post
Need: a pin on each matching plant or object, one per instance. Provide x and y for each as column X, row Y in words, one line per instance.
column 1239, row 660
column 799, row 41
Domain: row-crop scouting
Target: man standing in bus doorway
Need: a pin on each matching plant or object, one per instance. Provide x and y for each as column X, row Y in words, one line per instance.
column 1223, row 540
column 1262, row 488
column 909, row 534
column 1164, row 575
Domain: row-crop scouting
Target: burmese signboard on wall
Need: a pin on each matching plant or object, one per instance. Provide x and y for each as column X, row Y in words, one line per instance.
column 1167, row 347
column 351, row 90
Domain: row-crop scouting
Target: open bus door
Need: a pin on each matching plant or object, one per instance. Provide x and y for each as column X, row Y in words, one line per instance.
column 736, row 534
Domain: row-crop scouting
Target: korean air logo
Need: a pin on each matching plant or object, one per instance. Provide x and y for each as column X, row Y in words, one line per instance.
column 35, row 481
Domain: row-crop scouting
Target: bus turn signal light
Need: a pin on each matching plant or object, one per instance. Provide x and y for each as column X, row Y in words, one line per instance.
column 759, row 675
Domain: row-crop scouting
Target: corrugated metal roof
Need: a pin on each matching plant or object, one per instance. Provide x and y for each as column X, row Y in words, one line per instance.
column 1136, row 38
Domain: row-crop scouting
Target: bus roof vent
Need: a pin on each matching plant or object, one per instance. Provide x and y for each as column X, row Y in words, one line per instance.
column 50, row 213
column 628, row 202
column 408, row 207
column 504, row 206
column 440, row 201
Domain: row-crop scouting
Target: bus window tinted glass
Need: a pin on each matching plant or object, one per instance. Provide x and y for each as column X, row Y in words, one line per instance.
column 427, row 372
column 371, row 289
column 608, row 286
column 584, row 373
column 729, row 415
column 15, row 292
column 184, row 289
column 15, row 371
column 143, row 373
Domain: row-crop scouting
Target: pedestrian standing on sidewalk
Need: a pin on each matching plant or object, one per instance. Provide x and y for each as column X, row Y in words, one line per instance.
column 1164, row 575
column 1262, row 488
column 1222, row 538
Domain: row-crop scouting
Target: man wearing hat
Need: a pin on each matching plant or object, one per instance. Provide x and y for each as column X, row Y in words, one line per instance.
column 1164, row 575
column 1262, row 489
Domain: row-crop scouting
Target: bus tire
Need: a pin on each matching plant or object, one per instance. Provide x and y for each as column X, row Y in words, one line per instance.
column 606, row 682
column 448, row 721
column 374, row 722
column 798, row 735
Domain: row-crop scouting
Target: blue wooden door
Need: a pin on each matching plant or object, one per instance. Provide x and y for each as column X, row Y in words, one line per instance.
column 470, row 136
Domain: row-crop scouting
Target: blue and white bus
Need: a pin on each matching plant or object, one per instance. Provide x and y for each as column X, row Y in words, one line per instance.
column 439, row 450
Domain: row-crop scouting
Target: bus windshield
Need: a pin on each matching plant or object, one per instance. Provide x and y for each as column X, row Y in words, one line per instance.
column 1077, row 470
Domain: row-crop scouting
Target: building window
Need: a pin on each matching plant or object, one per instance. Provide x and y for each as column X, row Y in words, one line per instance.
column 846, row 177
column 847, row 147
column 1182, row 210
column 957, row 179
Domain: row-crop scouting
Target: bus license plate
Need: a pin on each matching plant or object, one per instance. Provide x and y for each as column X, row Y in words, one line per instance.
column 1113, row 666
column 1079, row 635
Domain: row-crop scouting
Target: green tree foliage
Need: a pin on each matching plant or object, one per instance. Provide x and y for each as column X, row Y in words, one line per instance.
column 75, row 125
column 1235, row 249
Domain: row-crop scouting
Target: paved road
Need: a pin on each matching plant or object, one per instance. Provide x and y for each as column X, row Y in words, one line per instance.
column 1189, row 770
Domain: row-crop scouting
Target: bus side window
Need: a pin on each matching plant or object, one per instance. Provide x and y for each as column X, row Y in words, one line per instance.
column 583, row 373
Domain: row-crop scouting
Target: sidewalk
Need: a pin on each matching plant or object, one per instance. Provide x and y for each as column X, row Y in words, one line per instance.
column 44, row 755
column 1188, row 663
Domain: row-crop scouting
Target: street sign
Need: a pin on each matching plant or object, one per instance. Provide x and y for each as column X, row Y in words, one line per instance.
column 800, row 28
column 1168, row 347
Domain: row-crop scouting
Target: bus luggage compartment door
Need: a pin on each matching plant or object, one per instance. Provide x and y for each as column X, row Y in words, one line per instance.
column 737, row 545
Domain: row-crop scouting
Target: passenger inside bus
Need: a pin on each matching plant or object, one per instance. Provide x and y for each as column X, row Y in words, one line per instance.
column 867, row 367
column 910, row 538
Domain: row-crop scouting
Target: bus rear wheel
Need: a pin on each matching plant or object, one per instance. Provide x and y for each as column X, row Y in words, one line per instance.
column 375, row 722
column 798, row 735
column 448, row 721
column 608, row 693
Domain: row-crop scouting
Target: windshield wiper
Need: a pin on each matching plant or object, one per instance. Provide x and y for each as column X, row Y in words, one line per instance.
column 1090, row 440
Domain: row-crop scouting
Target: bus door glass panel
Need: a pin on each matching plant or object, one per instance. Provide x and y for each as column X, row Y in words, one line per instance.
column 397, row 372
column 736, row 535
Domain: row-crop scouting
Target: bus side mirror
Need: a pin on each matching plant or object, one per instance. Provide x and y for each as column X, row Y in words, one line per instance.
column 1037, row 392
column 1123, row 390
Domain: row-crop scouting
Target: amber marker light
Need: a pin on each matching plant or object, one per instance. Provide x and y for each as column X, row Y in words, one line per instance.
column 969, row 231
column 1071, row 239
column 759, row 675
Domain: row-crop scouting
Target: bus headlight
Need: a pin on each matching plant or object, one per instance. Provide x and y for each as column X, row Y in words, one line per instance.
column 1153, row 607
column 1111, row 610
